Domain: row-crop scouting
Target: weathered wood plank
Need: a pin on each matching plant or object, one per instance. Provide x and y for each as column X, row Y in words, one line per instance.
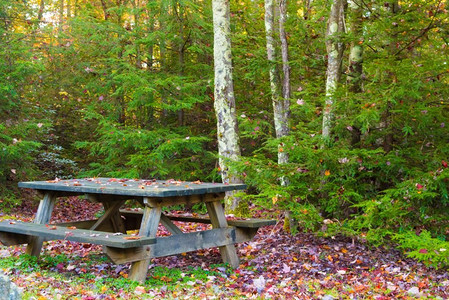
column 131, row 187
column 111, row 215
column 218, row 219
column 249, row 223
column 51, row 232
column 148, row 228
column 11, row 239
column 43, row 215
column 185, row 199
column 172, row 228
column 175, row 244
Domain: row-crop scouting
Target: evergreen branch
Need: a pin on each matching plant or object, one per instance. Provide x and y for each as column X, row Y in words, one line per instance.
column 423, row 31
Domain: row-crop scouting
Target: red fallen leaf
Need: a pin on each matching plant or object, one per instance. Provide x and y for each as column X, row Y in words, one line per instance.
column 424, row 251
column 444, row 163
column 77, row 184
column 51, row 227
column 12, row 223
column 419, row 186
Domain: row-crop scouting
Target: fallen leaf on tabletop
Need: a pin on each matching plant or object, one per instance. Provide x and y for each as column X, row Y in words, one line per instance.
column 131, row 238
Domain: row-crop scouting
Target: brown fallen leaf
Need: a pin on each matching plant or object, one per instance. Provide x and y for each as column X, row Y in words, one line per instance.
column 71, row 227
column 132, row 238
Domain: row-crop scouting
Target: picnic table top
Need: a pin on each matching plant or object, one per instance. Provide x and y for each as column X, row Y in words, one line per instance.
column 132, row 187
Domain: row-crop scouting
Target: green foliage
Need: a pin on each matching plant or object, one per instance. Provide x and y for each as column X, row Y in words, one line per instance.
column 132, row 153
column 126, row 90
column 424, row 247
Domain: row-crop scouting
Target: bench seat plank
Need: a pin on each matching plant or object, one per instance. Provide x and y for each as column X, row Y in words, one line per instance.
column 249, row 223
column 51, row 232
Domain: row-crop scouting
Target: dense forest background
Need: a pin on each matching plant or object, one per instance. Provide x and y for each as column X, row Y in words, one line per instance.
column 125, row 88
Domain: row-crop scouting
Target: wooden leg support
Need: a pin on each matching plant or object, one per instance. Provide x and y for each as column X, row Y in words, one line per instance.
column 150, row 223
column 218, row 219
column 42, row 217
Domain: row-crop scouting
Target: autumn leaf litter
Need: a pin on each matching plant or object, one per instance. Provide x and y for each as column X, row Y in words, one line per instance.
column 274, row 265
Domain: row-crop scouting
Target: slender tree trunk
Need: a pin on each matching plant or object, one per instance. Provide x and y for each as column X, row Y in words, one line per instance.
column 307, row 5
column 283, row 157
column 355, row 68
column 75, row 8
column 69, row 8
column 286, row 89
column 41, row 10
column 355, row 65
column 224, row 103
column 386, row 117
column 151, row 19
column 135, row 5
column 105, row 10
column 61, row 14
column 181, row 56
column 334, row 48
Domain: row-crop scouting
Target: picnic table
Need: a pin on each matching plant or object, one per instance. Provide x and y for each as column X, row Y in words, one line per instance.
column 111, row 229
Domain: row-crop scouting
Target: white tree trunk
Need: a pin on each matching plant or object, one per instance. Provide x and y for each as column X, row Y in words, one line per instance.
column 285, row 102
column 227, row 130
column 281, row 105
column 334, row 48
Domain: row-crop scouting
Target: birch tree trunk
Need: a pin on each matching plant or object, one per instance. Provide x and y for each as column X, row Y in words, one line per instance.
column 280, row 93
column 224, row 103
column 280, row 87
column 334, row 48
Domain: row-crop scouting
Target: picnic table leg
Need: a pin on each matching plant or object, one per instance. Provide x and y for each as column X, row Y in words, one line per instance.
column 42, row 217
column 148, row 227
column 218, row 220
column 112, row 214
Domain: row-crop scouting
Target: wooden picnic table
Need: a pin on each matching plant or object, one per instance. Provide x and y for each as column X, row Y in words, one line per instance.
column 110, row 230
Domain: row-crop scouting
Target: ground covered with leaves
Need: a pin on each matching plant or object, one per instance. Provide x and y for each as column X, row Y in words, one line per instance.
column 273, row 266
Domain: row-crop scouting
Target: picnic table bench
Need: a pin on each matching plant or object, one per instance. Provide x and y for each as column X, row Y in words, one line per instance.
column 111, row 229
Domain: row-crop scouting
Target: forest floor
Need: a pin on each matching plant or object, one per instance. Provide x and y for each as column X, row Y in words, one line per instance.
column 274, row 265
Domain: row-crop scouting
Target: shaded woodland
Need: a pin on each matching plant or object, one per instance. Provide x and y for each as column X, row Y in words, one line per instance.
column 341, row 107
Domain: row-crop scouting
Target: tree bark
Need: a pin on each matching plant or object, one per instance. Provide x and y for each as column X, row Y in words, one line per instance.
column 386, row 117
column 135, row 5
column 105, row 10
column 280, row 85
column 334, row 48
column 355, row 68
column 224, row 104
column 41, row 10
column 61, row 14
column 355, row 64
column 69, row 8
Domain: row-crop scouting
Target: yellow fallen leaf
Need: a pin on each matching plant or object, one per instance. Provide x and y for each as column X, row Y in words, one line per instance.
column 327, row 172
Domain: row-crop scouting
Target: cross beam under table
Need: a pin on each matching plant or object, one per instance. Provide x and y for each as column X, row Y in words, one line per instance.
column 112, row 193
